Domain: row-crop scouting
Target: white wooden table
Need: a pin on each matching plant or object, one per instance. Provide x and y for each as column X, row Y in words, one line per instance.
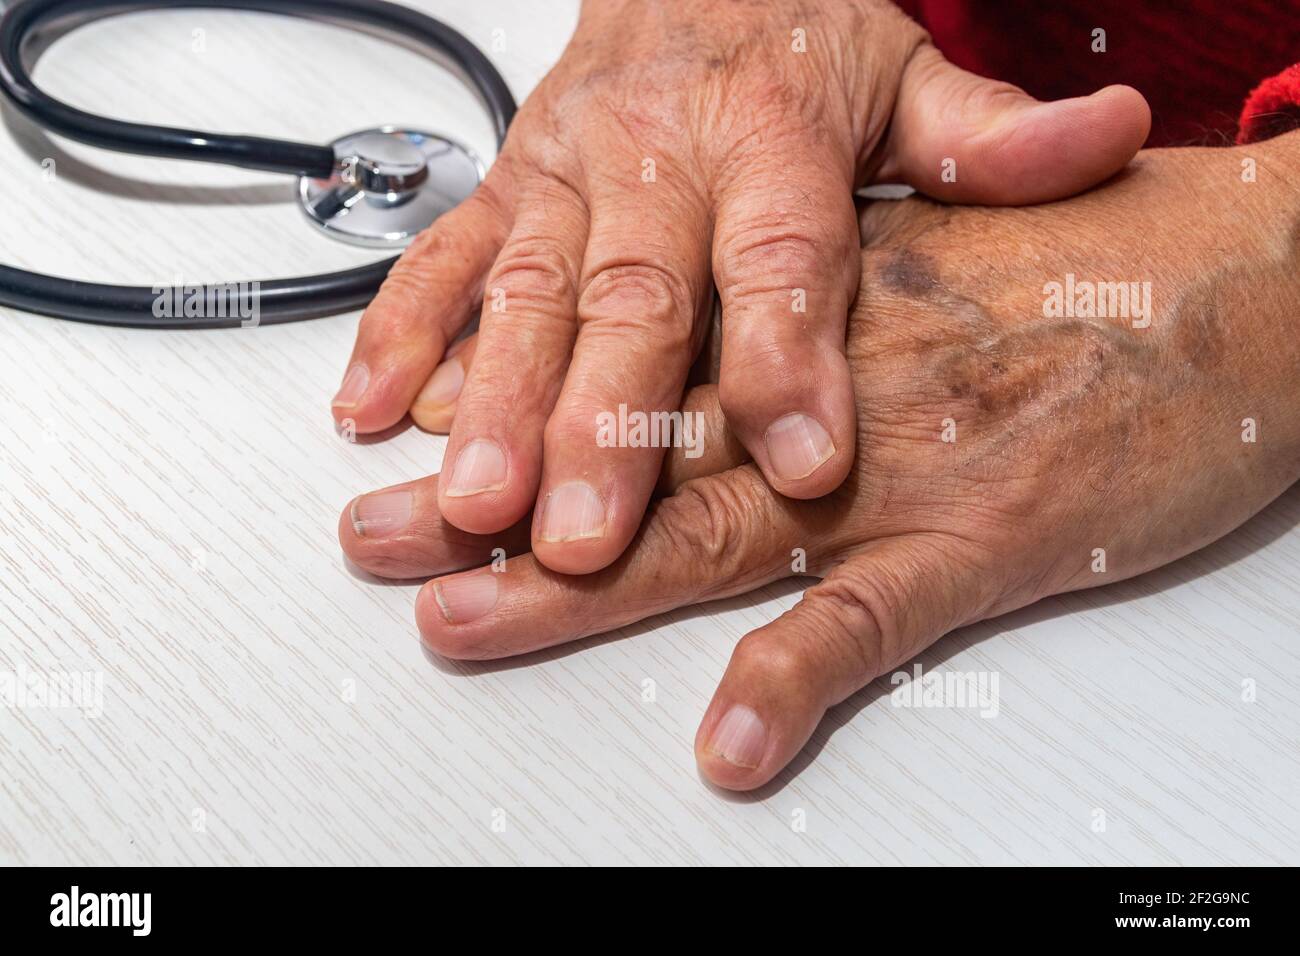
column 167, row 512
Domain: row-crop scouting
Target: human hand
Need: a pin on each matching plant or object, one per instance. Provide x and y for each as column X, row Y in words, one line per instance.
column 675, row 146
column 1146, row 436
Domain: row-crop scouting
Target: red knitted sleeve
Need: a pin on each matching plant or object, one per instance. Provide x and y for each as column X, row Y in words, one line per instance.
column 1272, row 108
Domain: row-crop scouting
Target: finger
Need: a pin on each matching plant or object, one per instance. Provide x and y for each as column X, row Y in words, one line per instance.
column 434, row 407
column 427, row 298
column 869, row 615
column 961, row 137
column 718, row 448
column 399, row 532
column 526, row 331
column 645, row 286
column 718, row 445
column 715, row 537
column 786, row 262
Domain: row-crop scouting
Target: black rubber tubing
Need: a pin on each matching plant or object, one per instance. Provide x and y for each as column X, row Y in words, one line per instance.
column 278, row 300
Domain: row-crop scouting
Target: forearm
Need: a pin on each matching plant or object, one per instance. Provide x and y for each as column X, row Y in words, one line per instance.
column 1260, row 285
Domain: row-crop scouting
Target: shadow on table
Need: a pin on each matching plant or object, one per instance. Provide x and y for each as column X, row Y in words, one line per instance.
column 38, row 146
column 1272, row 523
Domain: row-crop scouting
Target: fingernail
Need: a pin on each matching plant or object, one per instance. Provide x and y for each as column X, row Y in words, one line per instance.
column 572, row 511
column 739, row 737
column 353, row 387
column 443, row 385
column 466, row 597
column 480, row 466
column 797, row 445
column 383, row 513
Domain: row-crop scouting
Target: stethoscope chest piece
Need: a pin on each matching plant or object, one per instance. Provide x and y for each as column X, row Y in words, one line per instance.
column 379, row 187
column 389, row 185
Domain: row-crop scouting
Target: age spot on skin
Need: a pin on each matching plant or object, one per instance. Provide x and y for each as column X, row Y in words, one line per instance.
column 911, row 273
column 1050, row 364
column 1197, row 322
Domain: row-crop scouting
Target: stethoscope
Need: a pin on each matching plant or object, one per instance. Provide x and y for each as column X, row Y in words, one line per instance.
column 379, row 187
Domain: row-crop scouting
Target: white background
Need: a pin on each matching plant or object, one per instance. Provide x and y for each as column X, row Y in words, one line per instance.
column 168, row 505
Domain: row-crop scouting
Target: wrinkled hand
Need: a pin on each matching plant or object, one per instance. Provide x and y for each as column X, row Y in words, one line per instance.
column 1002, row 446
column 675, row 146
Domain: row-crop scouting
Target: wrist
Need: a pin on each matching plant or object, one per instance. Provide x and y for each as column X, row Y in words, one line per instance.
column 1285, row 147
column 1267, row 171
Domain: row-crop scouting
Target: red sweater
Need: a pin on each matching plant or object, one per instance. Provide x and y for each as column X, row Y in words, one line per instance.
column 1212, row 70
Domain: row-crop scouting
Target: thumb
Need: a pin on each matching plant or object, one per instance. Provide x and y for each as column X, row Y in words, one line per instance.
column 960, row 137
column 870, row 614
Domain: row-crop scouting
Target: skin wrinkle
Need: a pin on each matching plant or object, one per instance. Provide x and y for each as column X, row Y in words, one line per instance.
column 873, row 131
column 1022, row 373
column 1074, row 434
column 1022, row 378
column 556, row 186
column 741, row 79
column 1057, row 418
column 705, row 86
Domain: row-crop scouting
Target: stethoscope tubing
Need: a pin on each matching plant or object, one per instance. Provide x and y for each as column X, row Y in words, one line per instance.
column 279, row 300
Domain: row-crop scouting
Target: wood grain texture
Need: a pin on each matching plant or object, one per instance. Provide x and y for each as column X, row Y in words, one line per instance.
column 168, row 508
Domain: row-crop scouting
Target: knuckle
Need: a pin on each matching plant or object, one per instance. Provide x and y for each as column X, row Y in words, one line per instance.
column 762, row 379
column 425, row 261
column 389, row 317
column 533, row 271
column 491, row 200
column 734, row 394
column 572, row 429
column 394, row 322
column 758, row 375
column 422, row 254
column 784, row 663
column 772, row 255
column 419, row 274
column 861, row 612
column 644, row 293
column 763, row 251
column 705, row 520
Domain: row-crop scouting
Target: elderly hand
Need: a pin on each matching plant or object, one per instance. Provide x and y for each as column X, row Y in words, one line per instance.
column 1024, row 429
column 675, row 146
